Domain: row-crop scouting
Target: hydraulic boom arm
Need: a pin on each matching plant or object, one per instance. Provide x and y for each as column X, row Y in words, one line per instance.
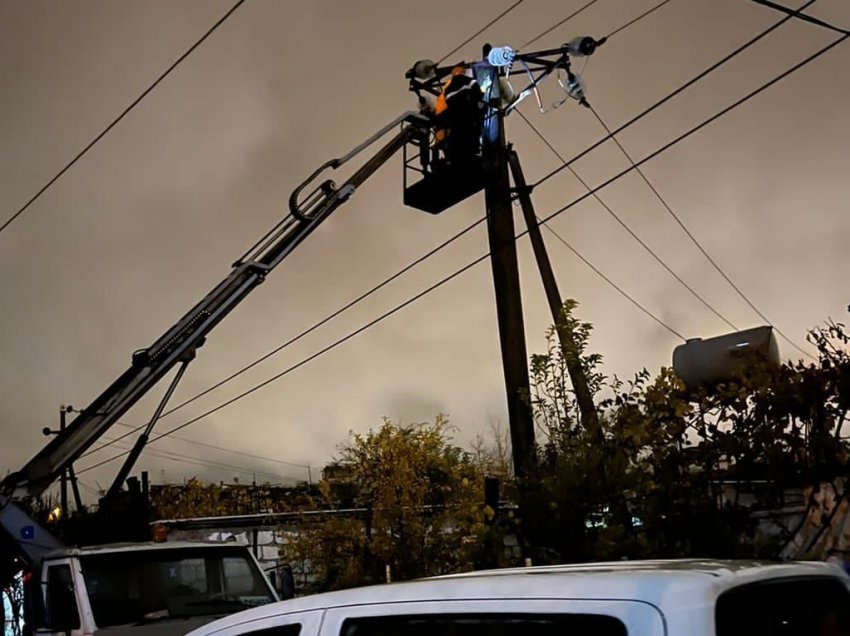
column 179, row 343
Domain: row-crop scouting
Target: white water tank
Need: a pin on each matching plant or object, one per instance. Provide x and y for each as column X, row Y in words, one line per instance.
column 701, row 362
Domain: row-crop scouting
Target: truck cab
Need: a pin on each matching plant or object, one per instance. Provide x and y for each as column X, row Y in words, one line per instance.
column 167, row 588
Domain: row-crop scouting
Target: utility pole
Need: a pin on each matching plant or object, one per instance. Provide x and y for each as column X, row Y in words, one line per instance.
column 566, row 337
column 67, row 475
column 503, row 259
column 63, row 483
column 435, row 188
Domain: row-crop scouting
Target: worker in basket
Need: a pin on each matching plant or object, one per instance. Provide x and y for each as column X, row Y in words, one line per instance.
column 458, row 115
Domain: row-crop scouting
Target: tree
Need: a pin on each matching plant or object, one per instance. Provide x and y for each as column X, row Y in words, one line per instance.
column 421, row 499
column 590, row 471
column 674, row 472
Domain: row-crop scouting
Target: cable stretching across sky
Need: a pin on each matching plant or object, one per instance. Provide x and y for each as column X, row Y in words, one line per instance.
column 676, row 92
column 386, row 281
column 206, row 463
column 123, row 114
column 110, row 441
column 693, row 240
column 468, row 266
column 631, row 232
column 481, row 30
column 365, row 295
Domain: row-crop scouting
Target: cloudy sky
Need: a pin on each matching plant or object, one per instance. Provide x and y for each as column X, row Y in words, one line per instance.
column 150, row 220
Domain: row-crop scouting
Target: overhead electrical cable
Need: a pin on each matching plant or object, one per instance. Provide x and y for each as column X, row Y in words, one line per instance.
column 161, row 453
column 808, row 60
column 309, row 358
column 611, row 282
column 362, row 296
column 307, row 331
column 797, row 13
column 646, row 13
column 673, row 94
column 694, row 240
column 123, row 114
column 560, row 23
column 481, row 30
column 706, row 122
column 631, row 232
column 222, row 449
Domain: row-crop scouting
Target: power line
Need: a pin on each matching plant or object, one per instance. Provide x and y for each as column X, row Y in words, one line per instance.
column 134, row 429
column 195, row 461
column 122, row 115
column 797, row 13
column 481, row 30
column 468, row 266
column 198, row 461
column 555, row 26
column 706, row 122
column 612, row 283
column 676, row 92
column 375, row 288
column 341, row 310
column 694, row 239
column 306, row 332
column 637, row 19
column 631, row 232
column 226, row 450
column 89, row 488
column 315, row 326
column 309, row 358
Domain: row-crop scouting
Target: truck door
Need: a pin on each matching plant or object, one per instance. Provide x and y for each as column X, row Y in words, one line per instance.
column 62, row 593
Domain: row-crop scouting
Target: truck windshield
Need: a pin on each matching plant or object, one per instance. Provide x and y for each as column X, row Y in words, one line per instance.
column 137, row 586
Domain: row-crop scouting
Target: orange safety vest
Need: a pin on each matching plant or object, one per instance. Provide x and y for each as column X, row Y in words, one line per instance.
column 440, row 106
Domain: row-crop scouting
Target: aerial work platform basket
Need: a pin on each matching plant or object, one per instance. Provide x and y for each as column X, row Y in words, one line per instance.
column 434, row 185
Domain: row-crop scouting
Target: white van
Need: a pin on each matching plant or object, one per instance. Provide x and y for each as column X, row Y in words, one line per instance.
column 640, row 598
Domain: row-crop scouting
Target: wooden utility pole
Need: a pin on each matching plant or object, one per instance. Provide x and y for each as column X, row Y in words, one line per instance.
column 503, row 259
column 63, row 480
column 566, row 336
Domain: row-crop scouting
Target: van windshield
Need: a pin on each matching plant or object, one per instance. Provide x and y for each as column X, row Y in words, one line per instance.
column 140, row 586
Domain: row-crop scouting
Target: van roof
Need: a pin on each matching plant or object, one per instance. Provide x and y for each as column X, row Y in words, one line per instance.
column 676, row 584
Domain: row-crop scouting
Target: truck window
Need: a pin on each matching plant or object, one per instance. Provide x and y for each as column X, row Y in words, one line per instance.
column 62, row 613
column 486, row 625
column 241, row 579
column 139, row 586
column 810, row 606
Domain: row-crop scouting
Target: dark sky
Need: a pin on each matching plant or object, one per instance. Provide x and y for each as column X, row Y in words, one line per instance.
column 151, row 219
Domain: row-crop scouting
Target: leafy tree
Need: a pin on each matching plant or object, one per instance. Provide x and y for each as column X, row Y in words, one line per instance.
column 674, row 472
column 421, row 498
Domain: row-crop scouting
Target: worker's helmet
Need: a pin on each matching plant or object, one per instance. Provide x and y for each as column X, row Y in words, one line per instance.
column 458, row 70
